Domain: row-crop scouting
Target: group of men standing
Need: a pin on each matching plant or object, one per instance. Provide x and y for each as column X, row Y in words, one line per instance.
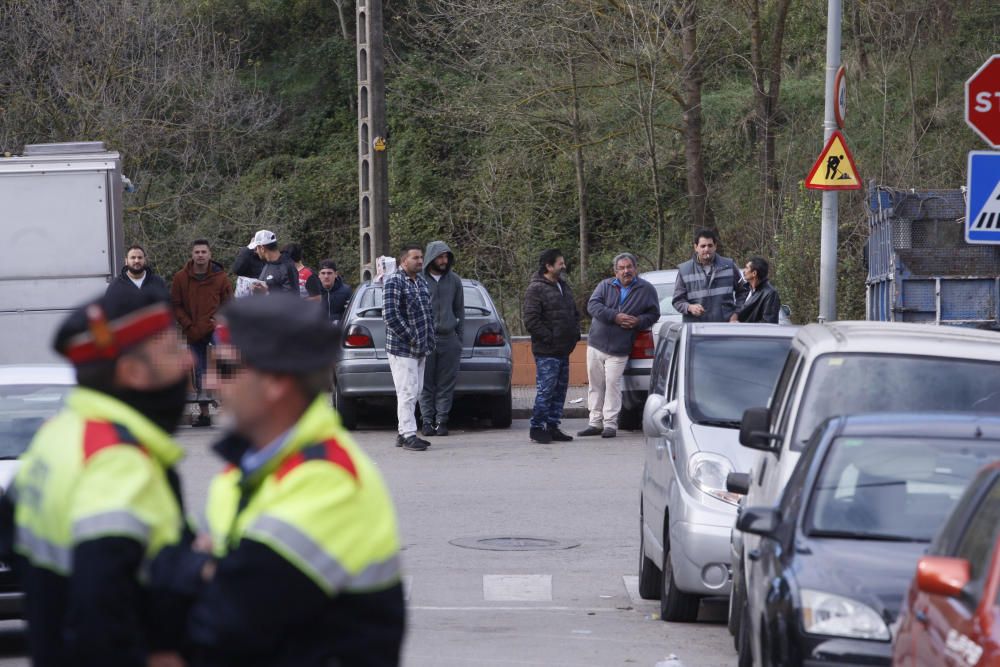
column 203, row 286
column 708, row 288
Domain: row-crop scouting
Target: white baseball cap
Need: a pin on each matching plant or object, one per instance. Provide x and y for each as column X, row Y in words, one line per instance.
column 263, row 237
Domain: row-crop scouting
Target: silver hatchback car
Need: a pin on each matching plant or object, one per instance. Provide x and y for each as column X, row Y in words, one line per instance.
column 362, row 380
column 704, row 376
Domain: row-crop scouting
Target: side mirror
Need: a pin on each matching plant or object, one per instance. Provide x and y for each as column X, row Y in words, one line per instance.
column 943, row 576
column 754, row 429
column 738, row 482
column 658, row 416
column 763, row 521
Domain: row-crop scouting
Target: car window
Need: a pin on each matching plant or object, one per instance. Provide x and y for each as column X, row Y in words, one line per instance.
column 899, row 489
column 777, row 398
column 658, row 381
column 665, row 293
column 796, row 482
column 23, row 410
column 672, row 372
column 978, row 540
column 726, row 375
column 847, row 384
column 951, row 533
column 370, row 299
column 475, row 302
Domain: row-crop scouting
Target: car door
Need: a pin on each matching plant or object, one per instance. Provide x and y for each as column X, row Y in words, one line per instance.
column 655, row 449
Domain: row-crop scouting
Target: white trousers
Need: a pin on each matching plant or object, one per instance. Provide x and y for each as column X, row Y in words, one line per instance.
column 604, row 395
column 408, row 377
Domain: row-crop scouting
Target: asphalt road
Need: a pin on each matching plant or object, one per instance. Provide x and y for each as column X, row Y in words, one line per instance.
column 566, row 606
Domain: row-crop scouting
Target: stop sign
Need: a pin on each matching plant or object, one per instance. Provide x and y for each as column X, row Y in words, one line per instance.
column 982, row 101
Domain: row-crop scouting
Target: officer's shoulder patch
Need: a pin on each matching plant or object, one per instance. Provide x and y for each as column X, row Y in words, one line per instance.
column 99, row 435
column 330, row 451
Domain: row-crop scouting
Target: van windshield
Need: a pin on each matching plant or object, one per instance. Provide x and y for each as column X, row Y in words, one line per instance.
column 727, row 375
column 851, row 384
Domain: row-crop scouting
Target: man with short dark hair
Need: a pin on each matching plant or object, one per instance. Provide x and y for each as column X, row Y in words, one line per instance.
column 552, row 319
column 762, row 303
column 334, row 293
column 621, row 307
column 302, row 527
column 97, row 498
column 308, row 281
column 279, row 273
column 137, row 274
column 709, row 287
column 409, row 338
column 441, row 372
column 196, row 293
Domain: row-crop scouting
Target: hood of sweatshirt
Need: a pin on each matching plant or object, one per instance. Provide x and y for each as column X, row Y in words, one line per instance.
column 434, row 250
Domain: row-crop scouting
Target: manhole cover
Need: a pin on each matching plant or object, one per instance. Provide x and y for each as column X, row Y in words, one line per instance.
column 513, row 543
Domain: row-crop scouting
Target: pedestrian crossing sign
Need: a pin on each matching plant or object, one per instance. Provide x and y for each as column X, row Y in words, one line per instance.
column 835, row 168
column 982, row 200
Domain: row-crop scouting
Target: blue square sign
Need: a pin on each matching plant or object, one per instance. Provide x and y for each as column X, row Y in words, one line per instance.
column 982, row 208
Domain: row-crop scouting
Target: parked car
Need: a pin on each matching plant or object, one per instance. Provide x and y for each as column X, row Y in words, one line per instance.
column 362, row 379
column 826, row 582
column 952, row 613
column 845, row 368
column 704, row 376
column 29, row 395
column 635, row 381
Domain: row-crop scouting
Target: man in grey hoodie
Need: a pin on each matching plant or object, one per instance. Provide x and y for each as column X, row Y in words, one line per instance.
column 441, row 371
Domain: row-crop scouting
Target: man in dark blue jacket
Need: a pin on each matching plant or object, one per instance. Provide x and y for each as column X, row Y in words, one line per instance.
column 621, row 307
column 334, row 293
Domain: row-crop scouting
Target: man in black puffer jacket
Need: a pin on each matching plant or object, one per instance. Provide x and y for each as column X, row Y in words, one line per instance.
column 552, row 319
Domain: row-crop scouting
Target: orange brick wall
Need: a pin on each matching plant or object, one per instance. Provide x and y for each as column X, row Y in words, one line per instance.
column 524, row 363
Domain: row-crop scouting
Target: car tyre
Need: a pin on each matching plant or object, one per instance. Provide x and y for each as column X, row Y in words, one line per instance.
column 630, row 419
column 743, row 649
column 737, row 598
column 347, row 408
column 675, row 605
column 501, row 410
column 649, row 574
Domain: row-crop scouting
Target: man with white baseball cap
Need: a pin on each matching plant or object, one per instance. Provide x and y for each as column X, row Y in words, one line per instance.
column 279, row 273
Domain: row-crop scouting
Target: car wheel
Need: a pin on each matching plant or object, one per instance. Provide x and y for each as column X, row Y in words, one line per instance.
column 743, row 649
column 630, row 419
column 736, row 602
column 675, row 605
column 347, row 408
column 649, row 574
column 501, row 410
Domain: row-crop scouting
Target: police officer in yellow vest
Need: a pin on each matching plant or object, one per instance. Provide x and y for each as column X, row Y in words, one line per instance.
column 301, row 521
column 97, row 497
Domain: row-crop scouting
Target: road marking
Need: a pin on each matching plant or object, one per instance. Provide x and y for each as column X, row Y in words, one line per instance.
column 407, row 587
column 517, row 587
column 632, row 588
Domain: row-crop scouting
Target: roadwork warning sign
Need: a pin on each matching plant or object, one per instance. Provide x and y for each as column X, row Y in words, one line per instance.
column 835, row 168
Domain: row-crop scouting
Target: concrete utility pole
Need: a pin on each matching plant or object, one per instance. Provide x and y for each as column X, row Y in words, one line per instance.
column 828, row 231
column 373, row 165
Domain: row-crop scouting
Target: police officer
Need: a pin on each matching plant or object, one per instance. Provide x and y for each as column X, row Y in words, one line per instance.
column 301, row 522
column 97, row 497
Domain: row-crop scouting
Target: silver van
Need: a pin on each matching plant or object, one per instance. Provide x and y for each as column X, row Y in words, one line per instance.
column 848, row 368
column 703, row 377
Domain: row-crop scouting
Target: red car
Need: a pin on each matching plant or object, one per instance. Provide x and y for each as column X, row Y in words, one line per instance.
column 952, row 614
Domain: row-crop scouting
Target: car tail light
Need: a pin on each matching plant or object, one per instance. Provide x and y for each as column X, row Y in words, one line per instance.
column 358, row 336
column 643, row 347
column 490, row 335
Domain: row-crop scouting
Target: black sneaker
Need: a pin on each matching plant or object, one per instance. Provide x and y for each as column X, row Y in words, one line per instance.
column 399, row 440
column 540, row 435
column 559, row 436
column 414, row 444
column 427, row 429
column 442, row 430
column 199, row 421
column 590, row 430
column 609, row 433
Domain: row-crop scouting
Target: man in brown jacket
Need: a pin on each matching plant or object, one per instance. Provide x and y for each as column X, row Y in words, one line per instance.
column 197, row 293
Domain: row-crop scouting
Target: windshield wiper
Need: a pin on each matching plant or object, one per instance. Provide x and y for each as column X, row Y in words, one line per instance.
column 723, row 423
column 852, row 535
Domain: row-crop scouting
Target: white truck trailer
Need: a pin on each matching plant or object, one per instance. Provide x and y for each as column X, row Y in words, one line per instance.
column 61, row 230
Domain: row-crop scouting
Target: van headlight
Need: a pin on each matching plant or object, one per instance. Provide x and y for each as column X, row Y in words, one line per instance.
column 837, row 616
column 708, row 472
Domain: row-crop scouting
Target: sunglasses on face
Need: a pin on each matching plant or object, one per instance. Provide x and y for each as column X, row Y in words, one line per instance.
column 228, row 368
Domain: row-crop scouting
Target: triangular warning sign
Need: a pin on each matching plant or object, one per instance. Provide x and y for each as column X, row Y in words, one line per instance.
column 988, row 217
column 835, row 168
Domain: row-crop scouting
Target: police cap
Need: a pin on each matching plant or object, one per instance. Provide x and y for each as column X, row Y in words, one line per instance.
column 104, row 328
column 280, row 333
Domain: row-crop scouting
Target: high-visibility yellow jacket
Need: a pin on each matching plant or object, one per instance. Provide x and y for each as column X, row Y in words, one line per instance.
column 96, row 499
column 308, row 549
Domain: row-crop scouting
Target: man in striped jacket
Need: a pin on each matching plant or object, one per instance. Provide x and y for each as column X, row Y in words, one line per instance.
column 709, row 287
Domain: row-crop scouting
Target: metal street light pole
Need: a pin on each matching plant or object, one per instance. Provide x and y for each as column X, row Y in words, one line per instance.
column 828, row 231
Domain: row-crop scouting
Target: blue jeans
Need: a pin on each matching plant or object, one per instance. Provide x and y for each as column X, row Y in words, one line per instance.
column 552, row 381
column 200, row 352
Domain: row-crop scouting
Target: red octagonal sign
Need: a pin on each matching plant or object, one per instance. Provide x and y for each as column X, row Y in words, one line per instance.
column 982, row 101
